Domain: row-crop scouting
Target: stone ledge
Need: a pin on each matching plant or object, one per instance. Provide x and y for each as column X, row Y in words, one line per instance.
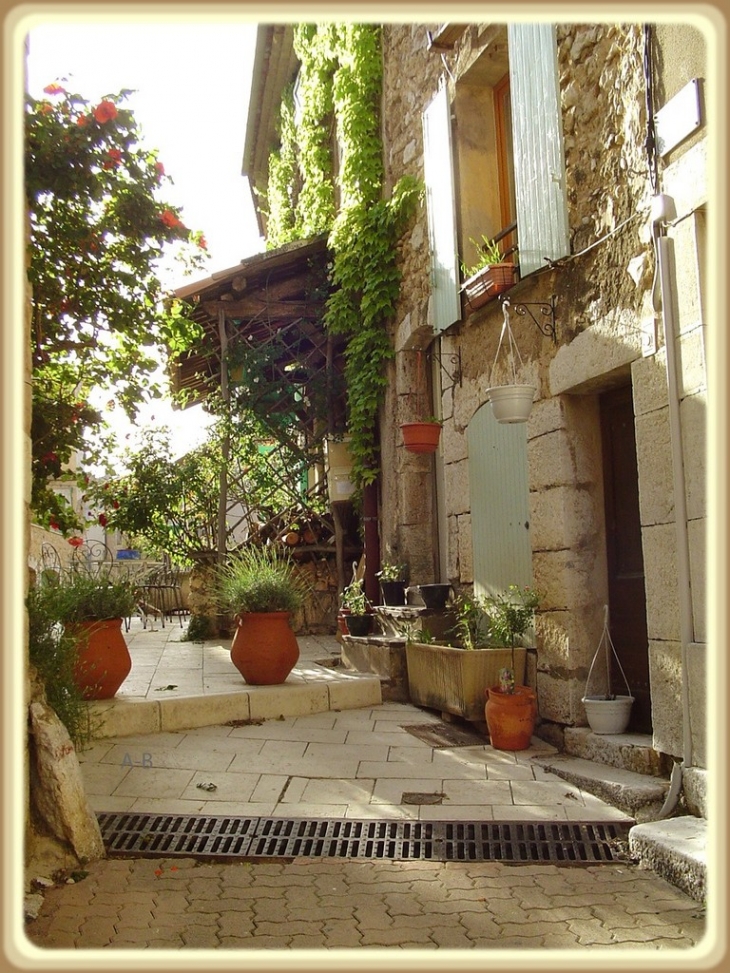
column 627, row 751
column 639, row 796
column 676, row 849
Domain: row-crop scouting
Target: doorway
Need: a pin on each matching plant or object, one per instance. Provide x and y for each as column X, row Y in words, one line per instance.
column 626, row 595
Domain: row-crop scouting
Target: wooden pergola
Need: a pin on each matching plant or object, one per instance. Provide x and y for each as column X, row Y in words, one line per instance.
column 265, row 349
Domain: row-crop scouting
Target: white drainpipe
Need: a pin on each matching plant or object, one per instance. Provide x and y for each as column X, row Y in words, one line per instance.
column 663, row 211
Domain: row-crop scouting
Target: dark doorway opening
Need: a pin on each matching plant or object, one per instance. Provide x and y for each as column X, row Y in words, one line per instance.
column 626, row 595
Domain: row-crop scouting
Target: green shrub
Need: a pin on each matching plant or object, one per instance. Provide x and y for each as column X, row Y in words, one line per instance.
column 53, row 653
column 80, row 597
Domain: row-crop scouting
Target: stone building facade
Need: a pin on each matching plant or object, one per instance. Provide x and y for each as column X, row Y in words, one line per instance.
column 610, row 353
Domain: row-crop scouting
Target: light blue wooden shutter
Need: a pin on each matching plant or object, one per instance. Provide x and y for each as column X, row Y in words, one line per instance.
column 539, row 160
column 439, row 179
column 500, row 510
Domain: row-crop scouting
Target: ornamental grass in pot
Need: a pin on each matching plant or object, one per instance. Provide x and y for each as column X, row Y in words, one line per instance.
column 262, row 589
column 91, row 608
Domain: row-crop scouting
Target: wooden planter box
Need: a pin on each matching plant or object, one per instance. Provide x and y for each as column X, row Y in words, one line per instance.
column 454, row 680
column 488, row 283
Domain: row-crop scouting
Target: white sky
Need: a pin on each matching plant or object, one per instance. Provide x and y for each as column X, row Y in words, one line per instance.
column 192, row 83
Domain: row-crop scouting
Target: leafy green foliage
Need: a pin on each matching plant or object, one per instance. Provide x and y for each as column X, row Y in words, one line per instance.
column 354, row 598
column 259, row 579
column 98, row 229
column 339, row 91
column 52, row 651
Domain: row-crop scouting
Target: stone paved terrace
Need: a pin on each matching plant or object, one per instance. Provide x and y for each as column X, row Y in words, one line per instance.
column 360, row 762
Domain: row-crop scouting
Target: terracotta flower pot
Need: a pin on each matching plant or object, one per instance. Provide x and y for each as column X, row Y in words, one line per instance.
column 103, row 661
column 421, row 437
column 264, row 647
column 511, row 717
column 487, row 283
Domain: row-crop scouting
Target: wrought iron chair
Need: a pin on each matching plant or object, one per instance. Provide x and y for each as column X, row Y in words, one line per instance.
column 93, row 558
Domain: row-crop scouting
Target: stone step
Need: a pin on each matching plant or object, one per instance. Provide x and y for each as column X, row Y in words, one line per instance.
column 637, row 795
column 676, row 849
column 337, row 690
column 628, row 751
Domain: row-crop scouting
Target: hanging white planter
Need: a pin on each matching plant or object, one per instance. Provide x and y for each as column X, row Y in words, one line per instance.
column 513, row 402
column 610, row 712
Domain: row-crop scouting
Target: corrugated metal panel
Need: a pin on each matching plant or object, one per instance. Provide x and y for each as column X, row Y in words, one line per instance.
column 499, row 492
column 439, row 179
column 542, row 212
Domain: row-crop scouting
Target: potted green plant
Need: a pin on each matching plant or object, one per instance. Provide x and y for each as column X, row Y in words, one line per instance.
column 450, row 674
column 489, row 276
column 357, row 608
column 511, row 708
column 393, row 582
column 91, row 609
column 262, row 589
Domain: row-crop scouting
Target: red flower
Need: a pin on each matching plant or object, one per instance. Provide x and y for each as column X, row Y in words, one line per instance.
column 105, row 111
column 113, row 158
column 169, row 219
column 202, row 243
column 53, row 525
column 54, row 89
column 160, row 168
column 103, row 520
column 45, row 108
column 116, row 505
column 76, row 541
column 82, row 120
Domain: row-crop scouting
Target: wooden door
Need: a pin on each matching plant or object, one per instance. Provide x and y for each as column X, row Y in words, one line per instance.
column 627, row 600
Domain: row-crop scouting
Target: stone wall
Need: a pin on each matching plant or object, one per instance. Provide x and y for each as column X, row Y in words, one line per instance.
column 603, row 294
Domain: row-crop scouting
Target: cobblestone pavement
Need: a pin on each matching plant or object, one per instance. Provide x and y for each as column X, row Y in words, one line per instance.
column 163, row 904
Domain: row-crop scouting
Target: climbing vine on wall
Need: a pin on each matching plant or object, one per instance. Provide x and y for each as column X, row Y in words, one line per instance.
column 338, row 111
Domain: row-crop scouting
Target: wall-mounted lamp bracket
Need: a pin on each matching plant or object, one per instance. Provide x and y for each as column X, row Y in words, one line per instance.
column 546, row 310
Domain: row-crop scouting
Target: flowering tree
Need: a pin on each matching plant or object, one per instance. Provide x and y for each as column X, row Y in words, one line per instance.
column 98, row 228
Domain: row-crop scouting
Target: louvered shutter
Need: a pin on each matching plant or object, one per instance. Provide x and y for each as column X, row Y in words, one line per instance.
column 539, row 161
column 440, row 203
column 500, row 503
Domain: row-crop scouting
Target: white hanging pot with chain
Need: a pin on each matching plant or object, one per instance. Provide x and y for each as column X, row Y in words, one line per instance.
column 607, row 712
column 513, row 402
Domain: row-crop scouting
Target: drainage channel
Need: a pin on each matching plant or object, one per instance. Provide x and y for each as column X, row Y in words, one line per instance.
column 230, row 837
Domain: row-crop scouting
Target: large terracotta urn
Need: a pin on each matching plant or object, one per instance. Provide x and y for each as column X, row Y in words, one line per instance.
column 103, row 661
column 264, row 647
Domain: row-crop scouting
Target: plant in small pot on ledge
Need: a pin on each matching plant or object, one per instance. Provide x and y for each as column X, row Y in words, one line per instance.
column 262, row 590
column 489, row 276
column 511, row 709
column 393, row 583
column 357, row 609
column 91, row 609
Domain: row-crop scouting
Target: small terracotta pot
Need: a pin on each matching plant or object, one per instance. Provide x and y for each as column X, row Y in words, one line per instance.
column 421, row 437
column 103, row 661
column 511, row 717
column 264, row 648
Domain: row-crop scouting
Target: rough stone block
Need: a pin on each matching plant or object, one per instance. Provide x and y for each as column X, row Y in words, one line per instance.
column 654, row 460
column 697, row 681
column 697, row 530
column 456, row 476
column 562, row 518
column 693, row 417
column 57, row 785
column 665, row 674
column 649, row 383
column 676, row 849
column 660, row 581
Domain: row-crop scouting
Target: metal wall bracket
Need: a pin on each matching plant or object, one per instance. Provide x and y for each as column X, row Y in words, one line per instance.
column 546, row 309
column 455, row 361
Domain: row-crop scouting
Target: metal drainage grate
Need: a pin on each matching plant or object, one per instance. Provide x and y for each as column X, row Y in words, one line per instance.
column 206, row 836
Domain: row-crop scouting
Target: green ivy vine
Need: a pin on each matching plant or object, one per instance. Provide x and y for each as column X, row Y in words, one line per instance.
column 338, row 92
